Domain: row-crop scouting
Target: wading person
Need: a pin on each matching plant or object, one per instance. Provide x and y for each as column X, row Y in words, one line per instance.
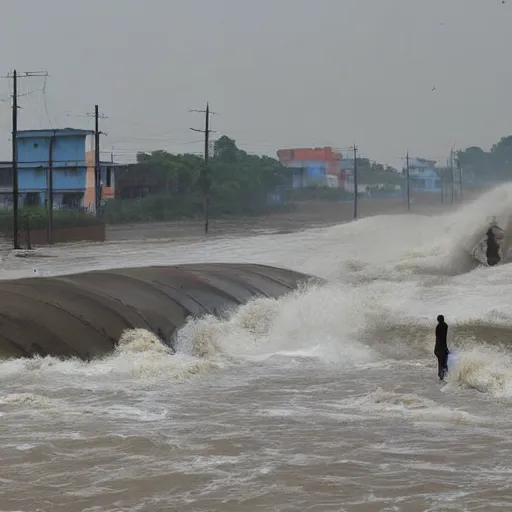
column 493, row 249
column 441, row 349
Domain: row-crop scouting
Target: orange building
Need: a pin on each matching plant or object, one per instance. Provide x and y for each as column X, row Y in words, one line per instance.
column 107, row 181
column 313, row 164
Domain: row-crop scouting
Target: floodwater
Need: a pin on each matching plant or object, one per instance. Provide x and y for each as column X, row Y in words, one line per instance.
column 324, row 400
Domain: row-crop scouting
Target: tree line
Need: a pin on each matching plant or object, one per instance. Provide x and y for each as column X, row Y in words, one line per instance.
column 164, row 186
column 167, row 186
column 494, row 165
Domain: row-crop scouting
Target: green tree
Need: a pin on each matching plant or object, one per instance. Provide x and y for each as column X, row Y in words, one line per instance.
column 175, row 185
column 372, row 173
column 493, row 165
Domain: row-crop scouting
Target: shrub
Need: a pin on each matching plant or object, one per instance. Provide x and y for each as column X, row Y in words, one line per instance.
column 164, row 207
column 320, row 193
column 37, row 218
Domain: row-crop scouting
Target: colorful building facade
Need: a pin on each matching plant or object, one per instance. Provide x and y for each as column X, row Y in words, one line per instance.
column 70, row 154
column 423, row 176
column 313, row 166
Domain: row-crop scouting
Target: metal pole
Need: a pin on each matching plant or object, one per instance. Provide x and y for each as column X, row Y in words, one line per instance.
column 408, row 182
column 355, row 181
column 50, row 191
column 96, row 161
column 460, row 178
column 15, row 192
column 206, row 181
column 206, row 173
column 451, row 173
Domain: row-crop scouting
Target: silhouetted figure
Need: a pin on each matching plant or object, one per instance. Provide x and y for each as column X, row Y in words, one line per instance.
column 441, row 349
column 492, row 252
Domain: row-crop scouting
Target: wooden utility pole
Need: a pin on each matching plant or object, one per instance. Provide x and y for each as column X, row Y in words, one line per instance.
column 355, row 181
column 15, row 182
column 15, row 192
column 459, row 167
column 97, row 172
column 206, row 174
column 408, row 181
column 50, row 191
column 451, row 174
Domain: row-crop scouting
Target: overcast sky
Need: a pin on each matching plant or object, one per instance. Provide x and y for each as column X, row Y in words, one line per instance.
column 280, row 73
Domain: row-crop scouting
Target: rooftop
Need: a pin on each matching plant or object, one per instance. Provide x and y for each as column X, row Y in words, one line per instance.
column 324, row 154
column 57, row 132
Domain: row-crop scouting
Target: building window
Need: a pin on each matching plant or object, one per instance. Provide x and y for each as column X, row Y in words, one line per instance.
column 108, row 179
column 72, row 200
column 33, row 199
column 5, row 177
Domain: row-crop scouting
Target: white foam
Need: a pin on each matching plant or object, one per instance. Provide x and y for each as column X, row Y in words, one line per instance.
column 31, row 400
column 320, row 322
column 484, row 368
column 408, row 405
column 374, row 263
column 140, row 356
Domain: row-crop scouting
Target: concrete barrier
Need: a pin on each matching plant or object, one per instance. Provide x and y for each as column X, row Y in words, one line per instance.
column 83, row 315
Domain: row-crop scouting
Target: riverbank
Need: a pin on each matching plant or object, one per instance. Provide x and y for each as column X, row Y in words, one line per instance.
column 306, row 215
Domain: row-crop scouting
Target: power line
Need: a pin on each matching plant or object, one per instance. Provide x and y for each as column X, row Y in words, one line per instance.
column 45, row 104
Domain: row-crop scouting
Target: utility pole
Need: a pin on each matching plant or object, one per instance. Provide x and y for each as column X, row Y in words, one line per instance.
column 408, row 181
column 15, row 192
column 50, row 191
column 97, row 165
column 355, row 181
column 206, row 175
column 15, row 182
column 459, row 167
column 97, row 173
column 451, row 173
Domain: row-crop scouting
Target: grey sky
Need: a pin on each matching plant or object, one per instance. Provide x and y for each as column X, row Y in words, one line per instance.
column 280, row 73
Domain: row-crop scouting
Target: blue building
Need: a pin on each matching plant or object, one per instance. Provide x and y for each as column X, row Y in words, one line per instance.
column 423, row 176
column 312, row 166
column 70, row 152
column 308, row 173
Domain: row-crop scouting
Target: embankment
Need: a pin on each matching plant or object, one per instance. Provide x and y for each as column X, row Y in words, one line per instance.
column 83, row 315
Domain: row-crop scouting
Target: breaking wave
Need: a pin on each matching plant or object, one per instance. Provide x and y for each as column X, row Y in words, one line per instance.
column 389, row 278
column 486, row 369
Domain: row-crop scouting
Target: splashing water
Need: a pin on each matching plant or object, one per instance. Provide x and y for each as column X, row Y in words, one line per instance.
column 291, row 402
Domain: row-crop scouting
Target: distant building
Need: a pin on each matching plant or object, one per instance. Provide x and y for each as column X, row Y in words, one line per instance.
column 68, row 151
column 5, row 184
column 347, row 168
column 313, row 166
column 423, row 176
column 107, row 177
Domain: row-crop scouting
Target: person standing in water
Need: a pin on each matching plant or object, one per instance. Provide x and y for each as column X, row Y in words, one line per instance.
column 493, row 249
column 441, row 349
